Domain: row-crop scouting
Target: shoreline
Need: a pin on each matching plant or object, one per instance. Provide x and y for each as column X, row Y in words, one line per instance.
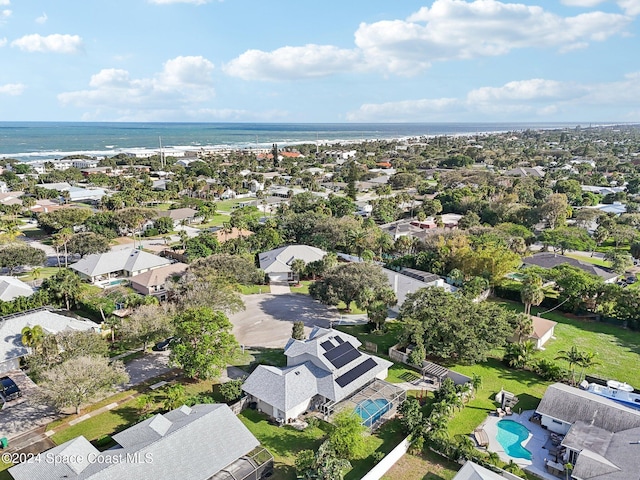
column 168, row 149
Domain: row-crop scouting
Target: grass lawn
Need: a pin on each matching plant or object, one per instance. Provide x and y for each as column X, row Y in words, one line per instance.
column 4, row 473
column 302, row 288
column 428, row 466
column 617, row 349
column 216, row 221
column 105, row 423
column 285, row 442
column 253, row 289
column 34, row 233
column 227, row 205
column 594, row 260
column 399, row 373
column 384, row 340
column 342, row 308
column 44, row 272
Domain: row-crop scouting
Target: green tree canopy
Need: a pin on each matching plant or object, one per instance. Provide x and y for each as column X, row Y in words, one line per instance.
column 453, row 327
column 204, row 344
column 19, row 255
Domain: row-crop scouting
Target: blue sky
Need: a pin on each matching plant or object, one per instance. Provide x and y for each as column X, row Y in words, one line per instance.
column 330, row 61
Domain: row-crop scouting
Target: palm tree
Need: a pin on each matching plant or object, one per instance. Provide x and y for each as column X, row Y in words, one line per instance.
column 524, row 326
column 32, row 336
column 573, row 356
column 587, row 360
column 297, row 267
column 531, row 292
column 62, row 238
column 64, row 285
column 493, row 458
column 476, row 382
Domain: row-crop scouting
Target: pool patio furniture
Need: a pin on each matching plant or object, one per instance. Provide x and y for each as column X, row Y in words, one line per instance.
column 500, row 412
column 481, row 437
column 508, row 411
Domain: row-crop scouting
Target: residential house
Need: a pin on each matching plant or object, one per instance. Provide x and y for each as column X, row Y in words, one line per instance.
column 203, row 442
column 154, row 282
column 181, row 216
column 325, row 369
column 473, row 471
column 543, row 331
column 549, row 260
column 277, row 263
column 11, row 347
column 117, row 264
column 536, row 172
column 599, row 437
column 410, row 280
column 11, row 288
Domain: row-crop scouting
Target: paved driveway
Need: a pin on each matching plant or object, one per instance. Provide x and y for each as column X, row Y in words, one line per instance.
column 24, row 413
column 268, row 319
column 150, row 365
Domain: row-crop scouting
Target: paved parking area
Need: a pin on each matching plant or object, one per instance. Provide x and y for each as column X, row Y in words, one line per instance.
column 268, row 318
column 24, row 413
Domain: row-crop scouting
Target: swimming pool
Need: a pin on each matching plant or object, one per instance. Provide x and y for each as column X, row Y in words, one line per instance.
column 371, row 410
column 511, row 435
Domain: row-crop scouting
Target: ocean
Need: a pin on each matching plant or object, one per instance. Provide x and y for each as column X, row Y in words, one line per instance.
column 29, row 141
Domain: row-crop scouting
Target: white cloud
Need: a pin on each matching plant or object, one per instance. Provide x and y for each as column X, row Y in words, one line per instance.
column 286, row 63
column 3, row 42
column 181, row 87
column 524, row 99
column 5, row 2
column 169, row 2
column 448, row 30
column 55, row 43
column 455, row 29
column 630, row 7
column 42, row 19
column 12, row 89
column 4, row 14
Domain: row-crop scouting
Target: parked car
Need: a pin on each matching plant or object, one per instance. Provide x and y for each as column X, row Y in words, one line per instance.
column 8, row 389
column 632, row 279
column 163, row 345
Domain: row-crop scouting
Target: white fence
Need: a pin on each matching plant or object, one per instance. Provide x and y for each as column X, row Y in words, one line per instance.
column 388, row 461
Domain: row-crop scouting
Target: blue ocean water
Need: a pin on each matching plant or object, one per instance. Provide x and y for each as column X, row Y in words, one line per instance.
column 49, row 140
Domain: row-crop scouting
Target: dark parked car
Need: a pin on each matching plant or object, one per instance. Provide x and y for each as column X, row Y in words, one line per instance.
column 163, row 345
column 8, row 389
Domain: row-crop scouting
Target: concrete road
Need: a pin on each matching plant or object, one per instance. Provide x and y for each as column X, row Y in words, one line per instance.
column 268, row 318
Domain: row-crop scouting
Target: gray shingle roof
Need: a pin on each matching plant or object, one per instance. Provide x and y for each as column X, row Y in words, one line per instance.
column 570, row 405
column 11, row 328
column 473, row 471
column 279, row 260
column 309, row 373
column 550, row 260
column 11, row 287
column 187, row 444
column 130, row 261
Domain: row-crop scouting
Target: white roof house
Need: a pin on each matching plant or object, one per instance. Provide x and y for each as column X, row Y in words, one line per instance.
column 202, row 442
column 11, row 287
column 473, row 471
column 119, row 263
column 409, row 280
column 326, row 367
column 11, row 347
column 277, row 263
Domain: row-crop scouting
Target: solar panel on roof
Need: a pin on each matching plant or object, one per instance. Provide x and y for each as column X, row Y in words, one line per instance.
column 345, row 358
column 339, row 340
column 331, row 355
column 356, row 372
column 328, row 345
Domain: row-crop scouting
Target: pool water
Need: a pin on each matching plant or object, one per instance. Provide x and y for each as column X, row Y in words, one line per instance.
column 511, row 435
column 371, row 410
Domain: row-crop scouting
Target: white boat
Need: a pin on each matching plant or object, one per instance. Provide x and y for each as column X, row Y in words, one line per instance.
column 618, row 391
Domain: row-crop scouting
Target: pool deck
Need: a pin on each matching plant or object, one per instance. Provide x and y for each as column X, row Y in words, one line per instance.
column 538, row 437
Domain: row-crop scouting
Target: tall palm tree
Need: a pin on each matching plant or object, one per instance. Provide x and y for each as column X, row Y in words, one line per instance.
column 531, row 292
column 573, row 357
column 476, row 382
column 523, row 327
